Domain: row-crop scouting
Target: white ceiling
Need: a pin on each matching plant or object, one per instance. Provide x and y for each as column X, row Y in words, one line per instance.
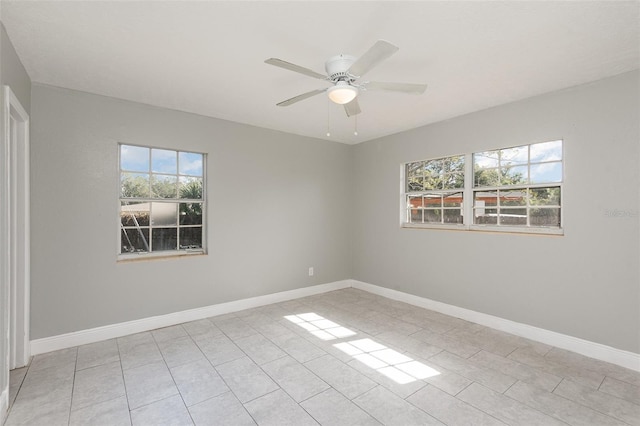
column 206, row 57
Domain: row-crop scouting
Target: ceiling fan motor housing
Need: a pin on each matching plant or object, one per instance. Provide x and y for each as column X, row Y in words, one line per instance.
column 337, row 68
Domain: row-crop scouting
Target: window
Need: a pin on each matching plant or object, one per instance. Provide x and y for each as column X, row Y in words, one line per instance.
column 517, row 189
column 433, row 190
column 162, row 201
column 518, row 186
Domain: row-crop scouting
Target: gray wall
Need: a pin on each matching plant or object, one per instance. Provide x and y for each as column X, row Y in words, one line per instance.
column 13, row 74
column 277, row 205
column 585, row 283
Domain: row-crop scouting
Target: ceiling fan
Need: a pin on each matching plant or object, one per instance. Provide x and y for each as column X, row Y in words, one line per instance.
column 344, row 71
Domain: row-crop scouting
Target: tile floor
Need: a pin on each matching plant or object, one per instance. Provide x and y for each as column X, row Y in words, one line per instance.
column 341, row 358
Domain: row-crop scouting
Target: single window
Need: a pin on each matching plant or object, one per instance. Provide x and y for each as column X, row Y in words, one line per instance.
column 518, row 187
column 162, row 201
column 434, row 191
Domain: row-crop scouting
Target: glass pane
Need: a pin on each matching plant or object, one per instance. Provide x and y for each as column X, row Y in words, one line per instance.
column 191, row 163
column 546, row 151
column 164, row 214
column 134, row 158
column 432, row 181
column 134, row 185
column 134, row 240
column 164, row 161
column 545, row 217
column 514, row 175
column 545, row 196
column 191, row 238
column 163, row 186
column 134, row 214
column 487, row 159
column 433, row 167
column 432, row 215
column 164, row 239
column 513, row 217
column 453, row 180
column 513, row 198
column 415, row 215
column 190, row 213
column 454, row 164
column 484, row 216
column 453, row 200
column 486, row 177
column 452, row 215
column 190, row 188
column 414, row 203
column 485, row 198
column 415, row 183
column 546, row 172
column 511, row 156
column 433, row 200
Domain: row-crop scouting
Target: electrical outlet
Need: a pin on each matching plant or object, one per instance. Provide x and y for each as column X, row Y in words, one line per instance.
column 311, row 271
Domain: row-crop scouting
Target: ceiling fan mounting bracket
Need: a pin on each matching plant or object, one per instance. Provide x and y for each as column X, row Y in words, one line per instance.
column 337, row 68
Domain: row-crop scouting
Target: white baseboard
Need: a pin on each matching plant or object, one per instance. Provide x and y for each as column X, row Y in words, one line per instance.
column 4, row 404
column 97, row 334
column 584, row 347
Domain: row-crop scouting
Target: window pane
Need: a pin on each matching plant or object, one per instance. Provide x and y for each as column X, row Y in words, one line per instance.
column 452, row 216
column 191, row 163
column 514, row 175
column 511, row 156
column 513, row 198
column 415, row 208
column 453, row 180
column 484, row 216
column 190, row 213
column 134, row 240
column 164, row 161
column 454, row 164
column 546, row 172
column 485, row 198
column 487, row 159
column 191, row 238
column 134, row 214
column 413, row 169
column 415, row 183
column 545, row 196
column 134, row 185
column 433, row 167
column 163, row 186
column 191, row 188
column 547, row 151
column 486, row 177
column 545, row 217
column 134, row 158
column 453, row 200
column 164, row 239
column 517, row 217
column 433, row 200
column 164, row 214
column 432, row 215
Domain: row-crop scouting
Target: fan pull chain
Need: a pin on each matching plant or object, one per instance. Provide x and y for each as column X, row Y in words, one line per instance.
column 355, row 131
column 328, row 110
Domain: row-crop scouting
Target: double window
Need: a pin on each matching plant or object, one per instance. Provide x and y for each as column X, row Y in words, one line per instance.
column 162, row 201
column 518, row 188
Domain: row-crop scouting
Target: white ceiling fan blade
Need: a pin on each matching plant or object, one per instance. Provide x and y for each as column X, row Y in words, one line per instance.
column 301, row 97
column 413, row 88
column 380, row 51
column 352, row 108
column 295, row 68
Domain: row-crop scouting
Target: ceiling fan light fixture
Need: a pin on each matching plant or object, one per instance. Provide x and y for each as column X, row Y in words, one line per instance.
column 342, row 93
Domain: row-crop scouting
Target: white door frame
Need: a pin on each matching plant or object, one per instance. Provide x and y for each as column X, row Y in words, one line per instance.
column 15, row 229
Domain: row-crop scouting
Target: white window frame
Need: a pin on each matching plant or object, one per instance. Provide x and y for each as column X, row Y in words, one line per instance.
column 468, row 199
column 163, row 253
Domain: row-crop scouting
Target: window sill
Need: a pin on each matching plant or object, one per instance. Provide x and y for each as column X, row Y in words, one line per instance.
column 127, row 258
column 488, row 228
